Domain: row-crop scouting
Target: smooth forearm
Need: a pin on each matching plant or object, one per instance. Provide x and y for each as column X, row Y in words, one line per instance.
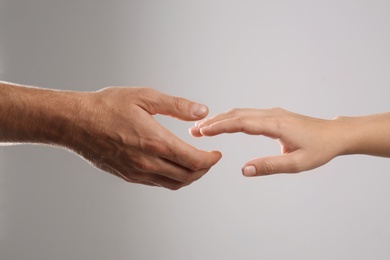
column 365, row 135
column 33, row 115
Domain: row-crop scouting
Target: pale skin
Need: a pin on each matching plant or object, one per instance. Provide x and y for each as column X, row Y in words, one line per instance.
column 306, row 142
column 112, row 128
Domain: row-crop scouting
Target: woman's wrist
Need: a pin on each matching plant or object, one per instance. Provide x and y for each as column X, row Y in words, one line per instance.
column 345, row 135
column 365, row 134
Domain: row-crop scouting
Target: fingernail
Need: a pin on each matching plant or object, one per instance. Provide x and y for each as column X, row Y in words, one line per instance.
column 250, row 171
column 198, row 110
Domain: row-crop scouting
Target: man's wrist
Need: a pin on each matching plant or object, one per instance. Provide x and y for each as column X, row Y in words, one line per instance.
column 33, row 115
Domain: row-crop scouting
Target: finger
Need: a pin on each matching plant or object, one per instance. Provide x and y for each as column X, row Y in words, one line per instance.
column 116, row 173
column 188, row 156
column 168, row 183
column 156, row 179
column 139, row 176
column 160, row 166
column 252, row 125
column 231, row 125
column 177, row 107
column 195, row 130
column 166, row 145
column 169, row 156
column 288, row 163
column 238, row 114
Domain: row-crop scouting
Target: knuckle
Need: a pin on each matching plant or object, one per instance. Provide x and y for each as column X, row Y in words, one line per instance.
column 143, row 165
column 179, row 104
column 269, row 167
column 195, row 165
column 276, row 109
column 153, row 146
column 234, row 111
column 148, row 99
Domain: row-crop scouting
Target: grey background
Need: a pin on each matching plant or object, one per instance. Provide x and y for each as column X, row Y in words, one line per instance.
column 320, row 58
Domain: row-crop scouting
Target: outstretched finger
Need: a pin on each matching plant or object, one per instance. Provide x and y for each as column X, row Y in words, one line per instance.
column 227, row 126
column 195, row 130
column 245, row 120
column 181, row 108
column 252, row 125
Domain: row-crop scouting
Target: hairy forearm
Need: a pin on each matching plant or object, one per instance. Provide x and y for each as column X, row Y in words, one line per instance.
column 366, row 134
column 33, row 115
column 112, row 128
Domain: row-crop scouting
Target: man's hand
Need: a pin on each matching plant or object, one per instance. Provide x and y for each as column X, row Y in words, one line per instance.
column 113, row 129
column 128, row 142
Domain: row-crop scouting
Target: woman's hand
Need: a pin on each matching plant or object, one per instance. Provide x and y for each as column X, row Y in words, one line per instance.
column 306, row 142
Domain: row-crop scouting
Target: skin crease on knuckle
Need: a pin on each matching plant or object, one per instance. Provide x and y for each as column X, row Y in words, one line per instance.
column 178, row 104
column 268, row 168
column 146, row 98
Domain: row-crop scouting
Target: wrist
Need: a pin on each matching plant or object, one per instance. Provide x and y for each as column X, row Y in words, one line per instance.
column 350, row 135
column 33, row 115
column 368, row 135
column 66, row 118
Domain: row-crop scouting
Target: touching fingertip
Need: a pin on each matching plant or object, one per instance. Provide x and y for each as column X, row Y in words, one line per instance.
column 249, row 171
column 194, row 131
